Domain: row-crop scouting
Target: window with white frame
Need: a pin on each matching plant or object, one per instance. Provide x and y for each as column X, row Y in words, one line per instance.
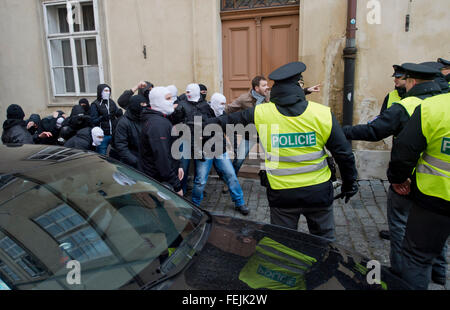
column 74, row 47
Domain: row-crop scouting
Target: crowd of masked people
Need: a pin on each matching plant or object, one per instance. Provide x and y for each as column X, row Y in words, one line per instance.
column 140, row 137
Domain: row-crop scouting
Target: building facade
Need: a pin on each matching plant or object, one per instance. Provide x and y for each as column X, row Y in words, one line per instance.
column 49, row 61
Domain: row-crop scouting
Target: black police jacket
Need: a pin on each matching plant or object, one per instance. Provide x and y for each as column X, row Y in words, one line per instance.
column 392, row 121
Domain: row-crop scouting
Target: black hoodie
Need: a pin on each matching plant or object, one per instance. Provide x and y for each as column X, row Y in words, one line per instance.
column 15, row 132
column 155, row 158
column 128, row 133
column 103, row 115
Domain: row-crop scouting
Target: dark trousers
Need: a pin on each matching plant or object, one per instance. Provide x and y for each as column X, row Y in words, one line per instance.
column 398, row 211
column 426, row 235
column 320, row 221
column 313, row 202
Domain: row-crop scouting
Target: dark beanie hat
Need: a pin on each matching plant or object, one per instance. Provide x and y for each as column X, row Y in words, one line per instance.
column 83, row 101
column 14, row 111
column 35, row 118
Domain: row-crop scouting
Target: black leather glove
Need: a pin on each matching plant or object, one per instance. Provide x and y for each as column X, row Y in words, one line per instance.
column 348, row 191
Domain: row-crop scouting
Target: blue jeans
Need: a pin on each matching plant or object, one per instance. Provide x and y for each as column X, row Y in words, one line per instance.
column 225, row 168
column 103, row 148
column 241, row 154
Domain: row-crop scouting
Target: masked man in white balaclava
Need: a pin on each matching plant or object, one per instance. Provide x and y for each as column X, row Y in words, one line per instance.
column 222, row 163
column 97, row 137
column 155, row 157
column 174, row 92
column 104, row 114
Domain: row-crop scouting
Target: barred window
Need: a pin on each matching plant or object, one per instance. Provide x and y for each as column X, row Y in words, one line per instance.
column 231, row 5
column 74, row 47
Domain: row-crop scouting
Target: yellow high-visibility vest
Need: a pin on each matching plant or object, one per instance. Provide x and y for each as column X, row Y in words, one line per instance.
column 393, row 97
column 294, row 146
column 410, row 104
column 433, row 169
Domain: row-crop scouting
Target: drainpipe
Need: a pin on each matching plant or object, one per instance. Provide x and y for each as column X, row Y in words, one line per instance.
column 350, row 53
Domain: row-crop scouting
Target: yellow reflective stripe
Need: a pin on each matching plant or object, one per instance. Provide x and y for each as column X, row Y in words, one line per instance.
column 436, row 162
column 300, row 270
column 296, row 159
column 299, row 170
column 300, row 256
column 288, row 257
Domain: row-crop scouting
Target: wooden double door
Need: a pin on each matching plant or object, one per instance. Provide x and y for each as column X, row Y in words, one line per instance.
column 256, row 45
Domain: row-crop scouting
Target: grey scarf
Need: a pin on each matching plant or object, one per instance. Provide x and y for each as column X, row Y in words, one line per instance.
column 259, row 98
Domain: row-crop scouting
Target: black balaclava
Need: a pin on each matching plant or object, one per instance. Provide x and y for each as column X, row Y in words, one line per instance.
column 85, row 104
column 135, row 107
column 15, row 111
column 145, row 91
column 202, row 88
column 78, row 120
column 36, row 119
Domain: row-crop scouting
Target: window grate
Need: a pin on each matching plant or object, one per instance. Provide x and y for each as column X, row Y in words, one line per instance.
column 233, row 5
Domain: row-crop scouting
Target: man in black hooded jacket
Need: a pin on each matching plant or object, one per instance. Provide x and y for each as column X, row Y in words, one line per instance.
column 104, row 114
column 80, row 127
column 128, row 132
column 15, row 128
column 315, row 202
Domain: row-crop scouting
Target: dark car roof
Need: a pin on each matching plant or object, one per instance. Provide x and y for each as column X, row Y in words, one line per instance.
column 27, row 157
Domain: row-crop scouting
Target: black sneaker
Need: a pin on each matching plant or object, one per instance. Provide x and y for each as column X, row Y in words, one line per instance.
column 384, row 234
column 438, row 279
column 243, row 209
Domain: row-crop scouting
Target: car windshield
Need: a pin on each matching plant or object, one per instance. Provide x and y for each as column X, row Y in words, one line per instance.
column 89, row 224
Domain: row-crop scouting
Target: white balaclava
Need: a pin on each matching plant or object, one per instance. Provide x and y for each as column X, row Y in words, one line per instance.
column 216, row 103
column 96, row 133
column 173, row 91
column 193, row 92
column 106, row 94
column 158, row 100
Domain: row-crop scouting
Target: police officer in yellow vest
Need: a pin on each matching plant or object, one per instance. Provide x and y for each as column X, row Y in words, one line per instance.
column 294, row 133
column 419, row 86
column 424, row 145
column 399, row 92
column 446, row 69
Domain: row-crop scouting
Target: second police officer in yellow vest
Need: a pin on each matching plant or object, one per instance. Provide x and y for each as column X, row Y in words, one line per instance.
column 294, row 134
column 424, row 146
column 420, row 85
column 399, row 92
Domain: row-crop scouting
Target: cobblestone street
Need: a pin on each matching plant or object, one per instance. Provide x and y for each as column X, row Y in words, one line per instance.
column 357, row 224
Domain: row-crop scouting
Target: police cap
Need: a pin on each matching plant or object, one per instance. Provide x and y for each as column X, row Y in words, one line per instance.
column 419, row 71
column 288, row 71
column 446, row 63
column 398, row 71
column 433, row 64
